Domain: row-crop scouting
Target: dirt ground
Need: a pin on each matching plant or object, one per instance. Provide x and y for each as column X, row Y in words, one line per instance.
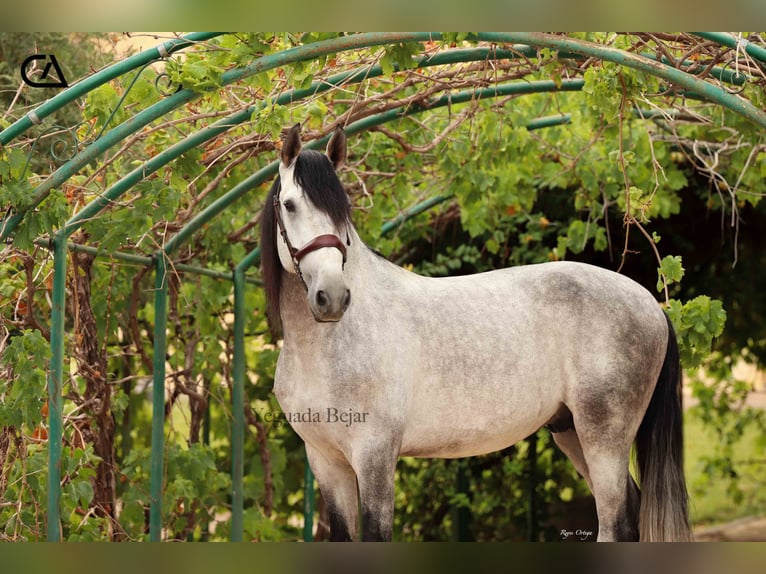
column 750, row 529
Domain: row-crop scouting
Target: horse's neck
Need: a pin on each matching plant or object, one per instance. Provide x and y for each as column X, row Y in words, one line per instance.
column 295, row 313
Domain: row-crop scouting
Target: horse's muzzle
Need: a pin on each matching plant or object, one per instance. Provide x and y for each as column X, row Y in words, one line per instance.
column 329, row 305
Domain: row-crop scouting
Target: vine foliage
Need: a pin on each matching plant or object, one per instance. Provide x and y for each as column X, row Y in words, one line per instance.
column 633, row 175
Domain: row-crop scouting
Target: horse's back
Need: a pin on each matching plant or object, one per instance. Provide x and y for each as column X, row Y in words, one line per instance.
column 545, row 301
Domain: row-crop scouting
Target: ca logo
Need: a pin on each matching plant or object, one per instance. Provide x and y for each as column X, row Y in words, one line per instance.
column 60, row 83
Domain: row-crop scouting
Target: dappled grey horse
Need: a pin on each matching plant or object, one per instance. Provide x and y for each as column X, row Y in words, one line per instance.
column 379, row 362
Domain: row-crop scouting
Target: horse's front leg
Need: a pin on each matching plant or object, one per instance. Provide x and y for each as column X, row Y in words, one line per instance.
column 337, row 483
column 375, row 471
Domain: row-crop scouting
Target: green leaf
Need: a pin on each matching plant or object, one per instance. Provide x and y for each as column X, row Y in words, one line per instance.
column 600, row 241
column 83, row 491
column 386, row 64
column 24, row 393
column 671, row 269
column 17, row 161
column 697, row 322
column 577, row 236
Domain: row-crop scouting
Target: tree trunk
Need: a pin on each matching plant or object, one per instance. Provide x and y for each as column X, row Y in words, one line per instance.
column 92, row 364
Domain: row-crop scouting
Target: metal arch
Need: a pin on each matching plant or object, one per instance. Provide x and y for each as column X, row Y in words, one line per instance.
column 528, row 41
column 209, row 132
column 205, row 134
column 685, row 80
column 270, row 170
column 754, row 50
column 160, row 284
column 59, row 244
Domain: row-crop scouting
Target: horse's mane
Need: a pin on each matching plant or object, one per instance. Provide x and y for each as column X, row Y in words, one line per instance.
column 315, row 175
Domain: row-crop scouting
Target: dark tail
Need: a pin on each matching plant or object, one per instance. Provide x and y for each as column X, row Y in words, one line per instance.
column 664, row 515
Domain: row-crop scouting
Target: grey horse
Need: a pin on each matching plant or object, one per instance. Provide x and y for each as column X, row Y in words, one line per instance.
column 378, row 362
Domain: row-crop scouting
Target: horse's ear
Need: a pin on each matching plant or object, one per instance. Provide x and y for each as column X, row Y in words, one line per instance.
column 336, row 148
column 291, row 147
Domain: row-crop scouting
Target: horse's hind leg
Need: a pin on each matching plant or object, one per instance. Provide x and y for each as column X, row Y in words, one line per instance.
column 337, row 483
column 569, row 443
column 617, row 506
column 615, row 494
column 607, row 456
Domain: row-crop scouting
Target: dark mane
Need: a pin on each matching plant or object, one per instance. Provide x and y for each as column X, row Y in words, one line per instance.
column 316, row 176
column 271, row 268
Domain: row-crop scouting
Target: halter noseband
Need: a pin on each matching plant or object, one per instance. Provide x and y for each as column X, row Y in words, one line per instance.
column 319, row 242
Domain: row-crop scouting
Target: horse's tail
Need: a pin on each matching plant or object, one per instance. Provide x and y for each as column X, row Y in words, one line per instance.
column 659, row 451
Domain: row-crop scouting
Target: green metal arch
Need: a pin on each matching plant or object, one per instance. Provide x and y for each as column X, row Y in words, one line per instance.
column 566, row 47
column 529, row 41
column 754, row 50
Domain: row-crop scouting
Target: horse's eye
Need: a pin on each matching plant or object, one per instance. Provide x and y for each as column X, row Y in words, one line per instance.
column 289, row 206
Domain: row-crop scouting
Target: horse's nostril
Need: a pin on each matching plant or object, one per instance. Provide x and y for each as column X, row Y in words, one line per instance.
column 347, row 299
column 321, row 298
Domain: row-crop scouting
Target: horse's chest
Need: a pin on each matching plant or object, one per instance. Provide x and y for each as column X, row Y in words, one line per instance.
column 302, row 380
column 319, row 405
column 351, row 393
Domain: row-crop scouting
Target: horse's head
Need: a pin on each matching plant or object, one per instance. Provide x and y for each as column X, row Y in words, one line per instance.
column 312, row 213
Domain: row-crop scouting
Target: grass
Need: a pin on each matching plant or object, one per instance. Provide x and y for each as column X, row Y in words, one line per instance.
column 711, row 501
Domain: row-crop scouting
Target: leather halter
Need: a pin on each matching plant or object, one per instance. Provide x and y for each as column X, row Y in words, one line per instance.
column 319, row 242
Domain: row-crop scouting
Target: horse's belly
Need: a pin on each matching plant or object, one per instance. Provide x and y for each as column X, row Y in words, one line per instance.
column 452, row 429
column 463, row 444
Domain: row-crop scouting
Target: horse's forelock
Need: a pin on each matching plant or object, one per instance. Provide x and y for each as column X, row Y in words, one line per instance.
column 315, row 174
